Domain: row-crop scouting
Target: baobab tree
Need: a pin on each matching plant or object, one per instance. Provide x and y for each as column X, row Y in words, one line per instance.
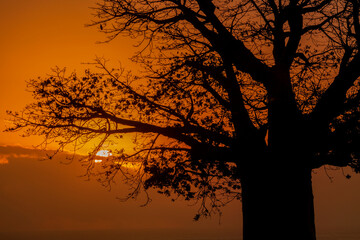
column 239, row 100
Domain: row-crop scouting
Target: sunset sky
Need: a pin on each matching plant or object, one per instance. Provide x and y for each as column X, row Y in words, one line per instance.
column 37, row 35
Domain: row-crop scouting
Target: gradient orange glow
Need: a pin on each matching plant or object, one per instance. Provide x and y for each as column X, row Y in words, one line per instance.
column 38, row 35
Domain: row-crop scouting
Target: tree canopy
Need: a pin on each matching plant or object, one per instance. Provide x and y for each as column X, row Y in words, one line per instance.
column 227, row 84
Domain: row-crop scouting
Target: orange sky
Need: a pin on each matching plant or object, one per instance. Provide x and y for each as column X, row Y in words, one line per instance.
column 37, row 35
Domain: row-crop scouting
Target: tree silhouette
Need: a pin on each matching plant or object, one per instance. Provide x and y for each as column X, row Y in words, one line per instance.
column 241, row 99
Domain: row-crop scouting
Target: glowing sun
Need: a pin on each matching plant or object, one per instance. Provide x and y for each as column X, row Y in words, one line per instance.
column 102, row 154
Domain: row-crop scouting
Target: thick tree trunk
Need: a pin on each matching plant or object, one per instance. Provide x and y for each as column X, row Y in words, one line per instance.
column 276, row 183
column 278, row 204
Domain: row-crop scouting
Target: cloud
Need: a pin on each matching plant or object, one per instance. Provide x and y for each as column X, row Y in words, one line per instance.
column 19, row 150
column 15, row 152
column 3, row 160
column 11, row 152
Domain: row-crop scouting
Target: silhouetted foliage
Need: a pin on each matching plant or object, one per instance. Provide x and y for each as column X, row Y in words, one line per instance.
column 251, row 92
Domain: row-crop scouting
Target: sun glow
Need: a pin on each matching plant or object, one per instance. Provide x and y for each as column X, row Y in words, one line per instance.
column 132, row 165
column 104, row 156
column 104, row 153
